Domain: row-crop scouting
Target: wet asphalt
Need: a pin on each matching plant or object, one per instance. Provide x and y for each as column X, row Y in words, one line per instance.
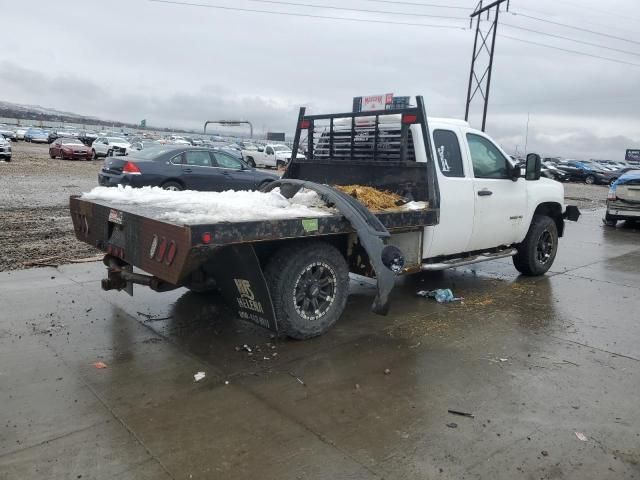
column 539, row 362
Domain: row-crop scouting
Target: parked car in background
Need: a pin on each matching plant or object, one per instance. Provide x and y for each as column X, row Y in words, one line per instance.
column 69, row 148
column 5, row 149
column 55, row 134
column 141, row 144
column 108, row 146
column 36, row 135
column 271, row 155
column 176, row 167
column 623, row 201
column 20, row 131
column 551, row 170
column 8, row 133
column 587, row 172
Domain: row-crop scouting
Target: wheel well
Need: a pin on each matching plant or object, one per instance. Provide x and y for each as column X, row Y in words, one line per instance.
column 554, row 211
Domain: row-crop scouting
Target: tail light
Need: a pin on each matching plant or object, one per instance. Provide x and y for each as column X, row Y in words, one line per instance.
column 131, row 168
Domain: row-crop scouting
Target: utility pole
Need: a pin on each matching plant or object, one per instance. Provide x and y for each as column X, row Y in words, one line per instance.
column 483, row 81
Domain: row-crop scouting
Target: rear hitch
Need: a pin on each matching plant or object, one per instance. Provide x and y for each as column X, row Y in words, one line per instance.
column 120, row 276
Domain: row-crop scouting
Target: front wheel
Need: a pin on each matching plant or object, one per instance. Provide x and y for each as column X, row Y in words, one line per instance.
column 590, row 180
column 538, row 250
column 94, row 155
column 309, row 285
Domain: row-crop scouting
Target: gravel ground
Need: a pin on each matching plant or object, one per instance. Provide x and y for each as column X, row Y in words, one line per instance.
column 34, row 217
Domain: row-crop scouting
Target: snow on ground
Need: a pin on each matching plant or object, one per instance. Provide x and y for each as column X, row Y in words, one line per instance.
column 193, row 207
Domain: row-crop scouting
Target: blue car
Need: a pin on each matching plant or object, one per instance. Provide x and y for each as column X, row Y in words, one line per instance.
column 180, row 167
column 36, row 135
column 623, row 201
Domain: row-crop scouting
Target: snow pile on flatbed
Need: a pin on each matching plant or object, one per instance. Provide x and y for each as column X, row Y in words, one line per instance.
column 191, row 207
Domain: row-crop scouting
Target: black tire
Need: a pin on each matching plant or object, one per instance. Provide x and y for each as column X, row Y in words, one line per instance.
column 609, row 221
column 538, row 250
column 51, row 155
column 300, row 275
column 94, row 155
column 590, row 180
column 280, row 164
column 251, row 162
column 170, row 185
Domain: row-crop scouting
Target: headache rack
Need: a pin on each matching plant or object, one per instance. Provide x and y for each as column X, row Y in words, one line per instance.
column 375, row 148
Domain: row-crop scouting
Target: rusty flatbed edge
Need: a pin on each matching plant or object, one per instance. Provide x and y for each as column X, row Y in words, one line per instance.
column 139, row 230
column 226, row 233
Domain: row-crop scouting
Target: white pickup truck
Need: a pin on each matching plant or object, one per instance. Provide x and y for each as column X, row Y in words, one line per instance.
column 270, row 155
column 466, row 202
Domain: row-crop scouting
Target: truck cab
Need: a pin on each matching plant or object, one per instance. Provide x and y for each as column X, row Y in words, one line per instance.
column 484, row 201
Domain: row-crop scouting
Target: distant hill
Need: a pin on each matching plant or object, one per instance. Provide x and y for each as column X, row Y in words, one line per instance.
column 36, row 112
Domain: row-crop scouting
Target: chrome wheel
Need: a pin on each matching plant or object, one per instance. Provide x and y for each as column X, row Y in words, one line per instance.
column 314, row 291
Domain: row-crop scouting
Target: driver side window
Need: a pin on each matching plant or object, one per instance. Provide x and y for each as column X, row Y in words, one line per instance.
column 269, row 151
column 488, row 161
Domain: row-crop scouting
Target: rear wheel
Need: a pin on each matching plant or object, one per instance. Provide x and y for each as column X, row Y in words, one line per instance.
column 51, row 155
column 251, row 162
column 264, row 184
column 590, row 180
column 609, row 221
column 538, row 251
column 172, row 186
column 280, row 164
column 309, row 285
column 94, row 155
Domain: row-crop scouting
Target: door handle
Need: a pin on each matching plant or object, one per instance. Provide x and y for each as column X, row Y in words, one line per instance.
column 187, row 170
column 484, row 193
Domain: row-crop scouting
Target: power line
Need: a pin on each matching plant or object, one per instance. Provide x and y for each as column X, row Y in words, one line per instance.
column 434, row 5
column 546, row 34
column 582, row 7
column 570, row 51
column 574, row 27
column 348, row 9
column 307, row 15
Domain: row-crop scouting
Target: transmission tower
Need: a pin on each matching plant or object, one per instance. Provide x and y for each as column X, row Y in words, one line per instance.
column 480, row 79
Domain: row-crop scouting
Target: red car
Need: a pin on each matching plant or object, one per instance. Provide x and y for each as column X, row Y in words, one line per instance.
column 70, row 148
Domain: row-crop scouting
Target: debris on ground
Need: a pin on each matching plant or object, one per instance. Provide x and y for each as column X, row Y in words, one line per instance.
column 442, row 295
column 462, row 414
column 100, row 365
column 544, row 453
column 199, row 376
column 300, row 381
column 581, row 436
column 452, row 425
column 387, row 371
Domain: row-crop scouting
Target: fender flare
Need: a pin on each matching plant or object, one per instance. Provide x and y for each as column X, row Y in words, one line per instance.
column 387, row 260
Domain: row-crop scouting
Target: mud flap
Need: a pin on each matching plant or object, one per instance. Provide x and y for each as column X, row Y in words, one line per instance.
column 572, row 213
column 241, row 281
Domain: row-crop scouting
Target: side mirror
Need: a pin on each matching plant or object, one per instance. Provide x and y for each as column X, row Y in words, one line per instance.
column 260, row 149
column 534, row 167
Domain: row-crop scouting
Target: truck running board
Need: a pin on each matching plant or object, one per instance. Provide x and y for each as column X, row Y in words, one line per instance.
column 458, row 262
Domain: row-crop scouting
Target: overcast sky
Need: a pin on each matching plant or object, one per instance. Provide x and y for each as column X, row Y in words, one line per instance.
column 178, row 66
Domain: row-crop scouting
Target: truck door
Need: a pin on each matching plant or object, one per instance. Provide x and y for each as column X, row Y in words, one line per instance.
column 500, row 203
column 455, row 180
column 269, row 157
